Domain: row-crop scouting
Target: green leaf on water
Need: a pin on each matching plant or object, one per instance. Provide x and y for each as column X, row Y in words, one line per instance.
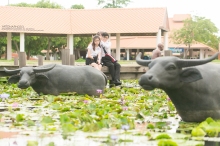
column 209, row 120
column 198, row 132
column 47, row 120
column 64, row 119
column 150, row 126
column 50, row 144
column 32, row 143
column 160, row 125
column 20, row 118
column 67, row 128
column 30, row 123
column 167, row 143
column 55, row 106
column 163, row 136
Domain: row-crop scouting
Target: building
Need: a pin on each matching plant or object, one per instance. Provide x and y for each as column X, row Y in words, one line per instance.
column 130, row 45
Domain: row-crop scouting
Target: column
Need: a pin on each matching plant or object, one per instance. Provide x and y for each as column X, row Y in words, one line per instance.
column 9, row 48
column 69, row 60
column 70, row 43
column 201, row 54
column 165, row 38
column 137, row 52
column 22, row 54
column 21, row 42
column 158, row 37
column 128, row 54
column 207, row 53
column 118, row 52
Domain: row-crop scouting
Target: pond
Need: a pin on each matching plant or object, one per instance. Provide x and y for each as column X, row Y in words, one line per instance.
column 125, row 115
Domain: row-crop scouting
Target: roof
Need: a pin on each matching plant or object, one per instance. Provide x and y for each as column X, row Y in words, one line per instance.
column 177, row 21
column 83, row 21
column 149, row 42
column 132, row 42
column 180, row 17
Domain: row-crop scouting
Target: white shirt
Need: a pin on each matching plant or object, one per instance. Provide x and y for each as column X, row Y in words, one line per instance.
column 93, row 53
column 107, row 46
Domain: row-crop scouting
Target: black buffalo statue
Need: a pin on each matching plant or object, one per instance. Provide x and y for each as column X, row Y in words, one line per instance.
column 55, row 79
column 192, row 85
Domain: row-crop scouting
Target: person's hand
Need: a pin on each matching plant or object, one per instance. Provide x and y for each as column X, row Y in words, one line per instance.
column 98, row 62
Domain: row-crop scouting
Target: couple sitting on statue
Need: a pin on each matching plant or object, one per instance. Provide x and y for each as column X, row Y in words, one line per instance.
column 99, row 53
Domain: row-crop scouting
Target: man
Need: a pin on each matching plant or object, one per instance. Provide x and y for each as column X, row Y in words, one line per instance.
column 157, row 52
column 114, row 68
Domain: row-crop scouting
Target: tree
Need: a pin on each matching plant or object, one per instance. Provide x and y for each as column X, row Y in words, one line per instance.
column 47, row 4
column 22, row 4
column 113, row 3
column 3, row 44
column 77, row 6
column 196, row 29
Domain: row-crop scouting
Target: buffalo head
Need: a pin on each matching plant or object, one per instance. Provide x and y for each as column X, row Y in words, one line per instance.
column 167, row 72
column 26, row 76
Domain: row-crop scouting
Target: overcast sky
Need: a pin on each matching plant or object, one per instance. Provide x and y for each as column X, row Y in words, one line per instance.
column 209, row 9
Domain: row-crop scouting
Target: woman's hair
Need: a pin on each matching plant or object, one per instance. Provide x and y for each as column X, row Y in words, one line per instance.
column 93, row 41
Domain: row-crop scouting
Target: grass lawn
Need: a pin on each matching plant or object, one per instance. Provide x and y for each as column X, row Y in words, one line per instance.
column 79, row 61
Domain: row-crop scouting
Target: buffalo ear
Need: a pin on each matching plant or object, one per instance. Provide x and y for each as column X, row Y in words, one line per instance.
column 42, row 77
column 14, row 79
column 190, row 75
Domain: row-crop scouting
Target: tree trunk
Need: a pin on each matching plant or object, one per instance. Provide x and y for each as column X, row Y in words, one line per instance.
column 28, row 54
column 48, row 48
column 16, row 45
column 77, row 54
column 186, row 52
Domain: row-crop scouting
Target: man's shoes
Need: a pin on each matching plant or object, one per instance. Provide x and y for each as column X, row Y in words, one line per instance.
column 117, row 82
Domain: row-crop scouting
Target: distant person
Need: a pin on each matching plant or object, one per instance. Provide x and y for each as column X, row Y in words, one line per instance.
column 157, row 52
column 93, row 56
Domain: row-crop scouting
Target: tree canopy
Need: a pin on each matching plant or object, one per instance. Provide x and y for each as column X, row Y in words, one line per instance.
column 113, row 3
column 77, row 6
column 40, row 4
column 197, row 29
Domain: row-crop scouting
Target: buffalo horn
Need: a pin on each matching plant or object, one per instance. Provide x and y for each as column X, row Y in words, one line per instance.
column 40, row 69
column 12, row 72
column 194, row 62
column 141, row 61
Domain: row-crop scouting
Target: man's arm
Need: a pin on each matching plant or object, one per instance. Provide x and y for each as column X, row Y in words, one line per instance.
column 159, row 53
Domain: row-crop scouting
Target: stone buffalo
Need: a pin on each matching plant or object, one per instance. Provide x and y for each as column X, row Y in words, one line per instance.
column 192, row 85
column 55, row 79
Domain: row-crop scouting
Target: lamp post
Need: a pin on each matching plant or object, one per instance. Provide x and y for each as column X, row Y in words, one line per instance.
column 8, row 2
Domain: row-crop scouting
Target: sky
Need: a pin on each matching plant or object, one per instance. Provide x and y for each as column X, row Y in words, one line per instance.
column 208, row 9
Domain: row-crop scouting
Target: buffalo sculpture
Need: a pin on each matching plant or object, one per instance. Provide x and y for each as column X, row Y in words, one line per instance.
column 192, row 85
column 55, row 79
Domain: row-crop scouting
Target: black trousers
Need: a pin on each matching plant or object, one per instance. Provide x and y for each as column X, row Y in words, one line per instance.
column 114, row 69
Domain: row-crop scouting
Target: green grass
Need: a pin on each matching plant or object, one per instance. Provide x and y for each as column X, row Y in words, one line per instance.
column 216, row 61
column 35, row 62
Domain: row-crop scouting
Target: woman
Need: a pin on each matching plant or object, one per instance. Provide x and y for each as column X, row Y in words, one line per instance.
column 93, row 56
